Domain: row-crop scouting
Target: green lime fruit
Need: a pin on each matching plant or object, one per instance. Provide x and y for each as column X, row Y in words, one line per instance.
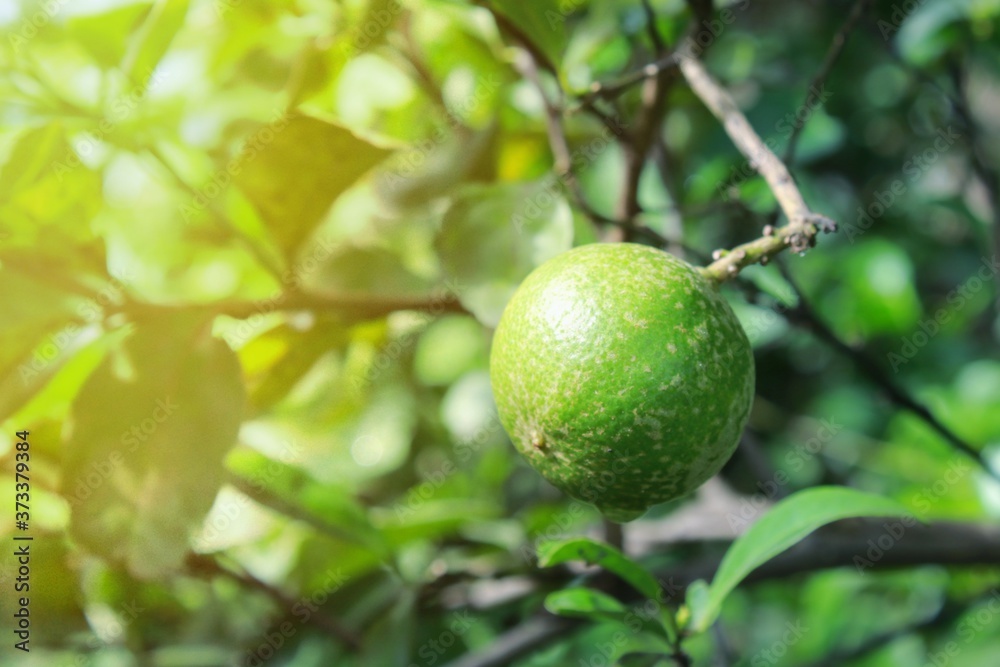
column 622, row 375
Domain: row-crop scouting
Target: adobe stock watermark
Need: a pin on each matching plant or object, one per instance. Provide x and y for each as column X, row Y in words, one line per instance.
column 915, row 167
column 121, row 108
column 223, row 515
column 108, row 633
column 359, row 38
column 139, row 433
column 560, row 525
column 407, row 163
column 431, row 651
column 783, row 127
column 221, row 179
column 763, row 321
column 291, row 281
column 89, row 312
column 900, row 12
column 930, row 327
column 709, row 31
column 303, row 610
column 968, row 629
column 793, row 634
column 29, row 26
column 635, row 620
column 433, row 481
column 894, row 530
column 451, row 290
column 794, row 460
column 535, row 207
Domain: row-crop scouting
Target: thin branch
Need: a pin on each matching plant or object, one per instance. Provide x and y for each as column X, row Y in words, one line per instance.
column 558, row 141
column 220, row 219
column 207, row 566
column 533, row 633
column 351, row 305
column 514, row 32
column 986, row 172
column 871, row 369
column 803, row 225
column 840, row 545
column 832, row 55
column 637, row 145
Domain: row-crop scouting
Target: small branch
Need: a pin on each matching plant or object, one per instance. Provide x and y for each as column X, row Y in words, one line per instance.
column 558, row 141
column 871, row 369
column 637, row 145
column 358, row 305
column 986, row 172
column 256, row 250
column 938, row 543
column 832, row 55
column 208, row 566
column 515, row 33
column 803, row 225
column 519, row 641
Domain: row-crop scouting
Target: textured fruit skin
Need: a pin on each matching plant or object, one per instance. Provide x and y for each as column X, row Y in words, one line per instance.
column 622, row 375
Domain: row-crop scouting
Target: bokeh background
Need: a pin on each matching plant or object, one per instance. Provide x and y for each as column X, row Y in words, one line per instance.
column 252, row 254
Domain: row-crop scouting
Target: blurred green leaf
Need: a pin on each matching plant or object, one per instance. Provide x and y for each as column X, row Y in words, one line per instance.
column 584, row 602
column 295, row 176
column 105, row 35
column 604, row 555
column 150, row 42
column 783, row 526
column 543, row 23
column 148, row 434
column 493, row 236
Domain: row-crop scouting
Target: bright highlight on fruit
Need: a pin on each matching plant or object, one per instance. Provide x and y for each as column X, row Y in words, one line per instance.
column 622, row 375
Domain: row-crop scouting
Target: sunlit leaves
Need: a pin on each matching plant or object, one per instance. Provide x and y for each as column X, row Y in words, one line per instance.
column 787, row 523
column 149, row 432
column 297, row 170
column 493, row 236
column 153, row 38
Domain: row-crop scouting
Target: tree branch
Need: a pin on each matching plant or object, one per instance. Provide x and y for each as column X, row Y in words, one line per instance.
column 803, row 225
column 871, row 369
column 832, row 55
column 207, row 566
column 839, row 545
column 351, row 304
column 637, row 145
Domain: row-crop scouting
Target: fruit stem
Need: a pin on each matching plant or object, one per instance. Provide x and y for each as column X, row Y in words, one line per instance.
column 803, row 225
column 799, row 235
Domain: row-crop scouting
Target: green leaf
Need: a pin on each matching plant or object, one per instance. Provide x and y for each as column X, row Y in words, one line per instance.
column 151, row 41
column 105, row 35
column 47, row 197
column 492, row 237
column 543, row 23
column 786, row 524
column 604, row 555
column 293, row 177
column 148, row 433
column 584, row 602
column 366, row 271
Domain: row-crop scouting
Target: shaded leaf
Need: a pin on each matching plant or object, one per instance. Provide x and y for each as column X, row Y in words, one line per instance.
column 787, row 523
column 604, row 555
column 149, row 430
column 543, row 23
column 493, row 236
column 150, row 43
column 105, row 35
column 293, row 179
column 584, row 602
